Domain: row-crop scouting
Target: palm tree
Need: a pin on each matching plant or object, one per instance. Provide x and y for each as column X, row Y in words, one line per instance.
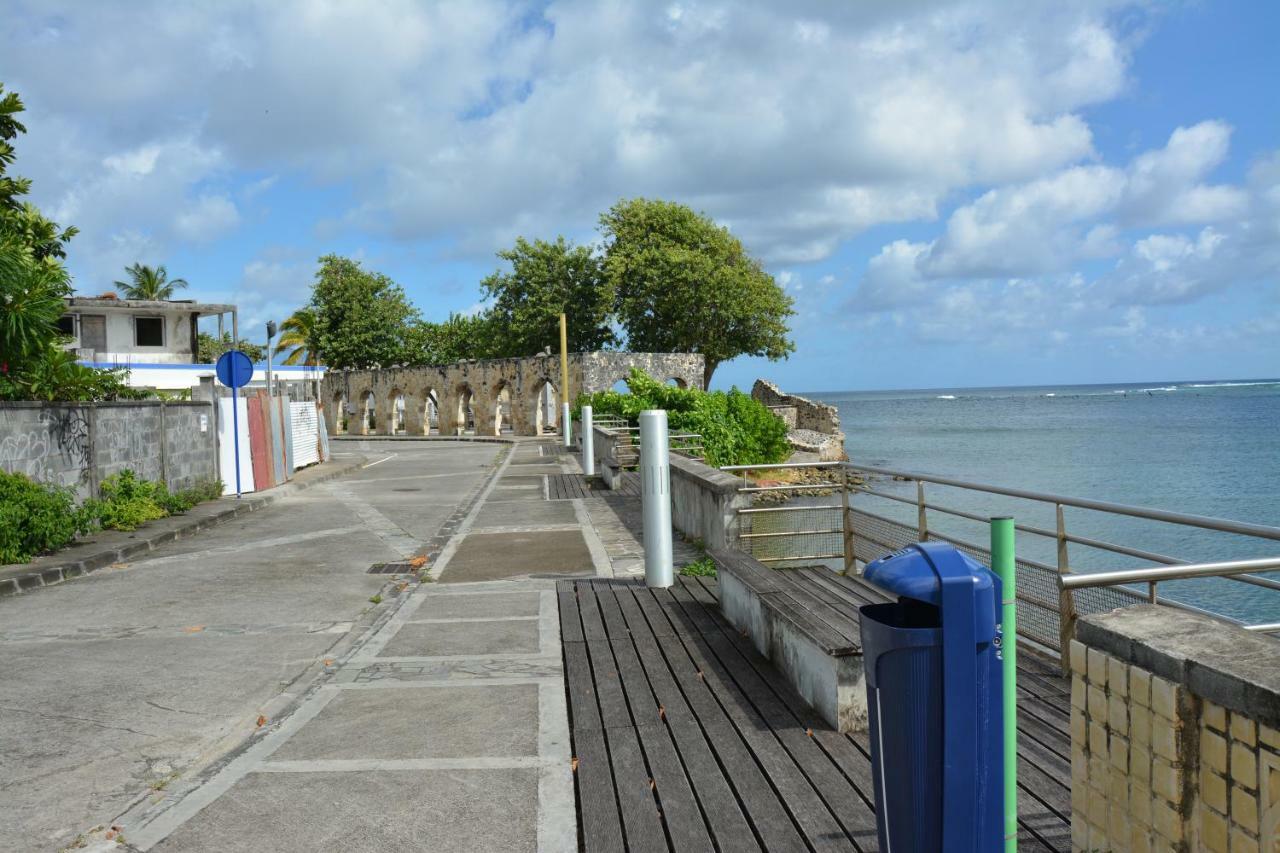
column 151, row 283
column 298, row 335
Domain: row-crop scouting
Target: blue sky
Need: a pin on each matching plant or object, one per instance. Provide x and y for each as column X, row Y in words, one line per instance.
column 954, row 194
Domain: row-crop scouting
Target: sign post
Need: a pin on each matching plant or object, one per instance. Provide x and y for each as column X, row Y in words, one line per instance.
column 234, row 371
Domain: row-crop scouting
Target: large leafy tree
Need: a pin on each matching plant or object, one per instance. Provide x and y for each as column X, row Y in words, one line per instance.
column 20, row 221
column 545, row 280
column 461, row 337
column 152, row 283
column 362, row 317
column 298, row 338
column 685, row 284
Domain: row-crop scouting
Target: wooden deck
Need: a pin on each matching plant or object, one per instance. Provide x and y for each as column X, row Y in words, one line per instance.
column 564, row 487
column 685, row 738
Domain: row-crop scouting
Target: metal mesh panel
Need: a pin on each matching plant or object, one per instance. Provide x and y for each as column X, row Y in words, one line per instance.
column 875, row 536
column 792, row 533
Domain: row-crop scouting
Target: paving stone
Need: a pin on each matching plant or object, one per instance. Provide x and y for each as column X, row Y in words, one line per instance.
column 463, row 638
column 368, row 812
column 494, row 556
column 420, row 722
column 479, row 606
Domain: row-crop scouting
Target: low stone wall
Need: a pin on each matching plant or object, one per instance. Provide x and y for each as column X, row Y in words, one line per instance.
column 704, row 502
column 79, row 444
column 1175, row 733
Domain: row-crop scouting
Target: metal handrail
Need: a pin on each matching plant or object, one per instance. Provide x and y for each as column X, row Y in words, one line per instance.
column 1171, row 568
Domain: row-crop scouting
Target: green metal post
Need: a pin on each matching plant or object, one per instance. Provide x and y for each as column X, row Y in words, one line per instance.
column 1002, row 563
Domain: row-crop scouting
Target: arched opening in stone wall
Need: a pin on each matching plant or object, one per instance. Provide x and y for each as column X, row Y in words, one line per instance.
column 431, row 413
column 546, row 407
column 340, row 413
column 466, row 415
column 502, row 410
column 678, row 382
column 368, row 420
column 396, row 427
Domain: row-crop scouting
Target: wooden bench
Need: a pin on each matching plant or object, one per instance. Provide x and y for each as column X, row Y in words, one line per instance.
column 805, row 621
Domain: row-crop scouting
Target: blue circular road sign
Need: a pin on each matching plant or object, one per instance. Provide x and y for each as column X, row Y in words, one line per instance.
column 234, row 369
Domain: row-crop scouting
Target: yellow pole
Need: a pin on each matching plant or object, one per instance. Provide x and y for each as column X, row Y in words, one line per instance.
column 565, row 428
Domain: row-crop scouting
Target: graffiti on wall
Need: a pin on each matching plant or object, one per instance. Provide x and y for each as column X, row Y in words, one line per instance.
column 58, row 444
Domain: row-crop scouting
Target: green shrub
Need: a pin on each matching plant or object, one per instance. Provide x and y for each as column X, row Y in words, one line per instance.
column 735, row 429
column 703, row 568
column 35, row 517
column 125, row 501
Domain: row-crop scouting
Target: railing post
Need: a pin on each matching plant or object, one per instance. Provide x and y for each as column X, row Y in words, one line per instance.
column 1066, row 599
column 846, row 523
column 655, row 498
column 1003, row 564
column 922, row 520
column 588, row 443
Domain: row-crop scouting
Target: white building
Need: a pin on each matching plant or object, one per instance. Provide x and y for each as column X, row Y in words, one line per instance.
column 155, row 340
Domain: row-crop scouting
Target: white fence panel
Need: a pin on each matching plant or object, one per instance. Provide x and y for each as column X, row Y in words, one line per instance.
column 306, row 434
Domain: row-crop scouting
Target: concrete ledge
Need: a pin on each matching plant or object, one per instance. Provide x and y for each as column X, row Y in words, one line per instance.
column 705, row 502
column 1214, row 659
column 117, row 546
column 834, row 684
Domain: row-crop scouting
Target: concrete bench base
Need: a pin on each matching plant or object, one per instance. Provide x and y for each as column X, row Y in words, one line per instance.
column 831, row 681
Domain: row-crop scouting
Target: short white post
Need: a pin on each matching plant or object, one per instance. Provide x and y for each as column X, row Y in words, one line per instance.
column 588, row 444
column 566, row 425
column 655, row 497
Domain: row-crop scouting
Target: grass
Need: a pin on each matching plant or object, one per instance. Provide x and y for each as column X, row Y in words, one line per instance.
column 376, row 599
column 703, row 568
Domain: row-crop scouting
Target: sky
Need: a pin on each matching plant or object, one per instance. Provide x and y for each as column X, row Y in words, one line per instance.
column 955, row 194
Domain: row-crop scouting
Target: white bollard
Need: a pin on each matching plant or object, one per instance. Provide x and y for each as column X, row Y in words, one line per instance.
column 655, row 498
column 588, row 444
column 566, row 425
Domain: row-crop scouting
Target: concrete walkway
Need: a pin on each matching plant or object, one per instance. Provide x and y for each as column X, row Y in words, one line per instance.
column 266, row 705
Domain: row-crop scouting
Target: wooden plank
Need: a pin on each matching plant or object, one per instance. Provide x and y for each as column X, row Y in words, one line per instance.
column 570, row 621
column 597, row 799
column 792, row 720
column 583, row 709
column 589, row 611
column 641, row 821
column 615, row 625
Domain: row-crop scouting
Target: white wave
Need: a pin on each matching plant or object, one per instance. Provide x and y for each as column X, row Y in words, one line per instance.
column 1050, row 394
column 945, row 397
column 1229, row 384
column 1167, row 388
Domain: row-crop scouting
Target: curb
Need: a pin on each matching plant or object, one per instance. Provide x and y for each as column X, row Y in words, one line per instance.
column 52, row 575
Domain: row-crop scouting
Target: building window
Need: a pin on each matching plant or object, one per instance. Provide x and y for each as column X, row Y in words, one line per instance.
column 67, row 325
column 148, row 331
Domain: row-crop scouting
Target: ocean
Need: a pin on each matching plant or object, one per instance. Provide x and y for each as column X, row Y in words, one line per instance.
column 1202, row 447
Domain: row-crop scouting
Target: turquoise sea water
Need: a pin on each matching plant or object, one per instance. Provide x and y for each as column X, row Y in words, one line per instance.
column 1204, row 447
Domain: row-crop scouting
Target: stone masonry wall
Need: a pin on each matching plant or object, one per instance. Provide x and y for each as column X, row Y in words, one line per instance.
column 485, row 383
column 1175, row 734
column 809, row 414
column 77, row 445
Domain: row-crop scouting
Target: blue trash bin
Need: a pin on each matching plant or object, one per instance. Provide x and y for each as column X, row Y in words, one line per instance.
column 934, row 691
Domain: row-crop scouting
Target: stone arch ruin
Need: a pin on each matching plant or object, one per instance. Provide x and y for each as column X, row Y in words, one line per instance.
column 424, row 393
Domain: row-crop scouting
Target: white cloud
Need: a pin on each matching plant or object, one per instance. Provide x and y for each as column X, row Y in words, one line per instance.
column 208, row 219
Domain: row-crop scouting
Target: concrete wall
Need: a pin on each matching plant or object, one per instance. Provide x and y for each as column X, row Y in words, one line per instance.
column 704, row 502
column 1175, row 734
column 121, row 346
column 485, row 384
column 79, row 444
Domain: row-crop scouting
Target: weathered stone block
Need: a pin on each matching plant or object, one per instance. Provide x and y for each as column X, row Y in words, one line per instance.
column 1097, row 664
column 1213, row 832
column 1244, row 766
column 1244, row 730
column 1244, row 809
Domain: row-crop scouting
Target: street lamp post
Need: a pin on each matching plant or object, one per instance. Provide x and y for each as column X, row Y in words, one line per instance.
column 271, row 333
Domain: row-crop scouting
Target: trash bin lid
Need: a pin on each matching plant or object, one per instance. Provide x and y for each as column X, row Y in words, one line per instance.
column 913, row 572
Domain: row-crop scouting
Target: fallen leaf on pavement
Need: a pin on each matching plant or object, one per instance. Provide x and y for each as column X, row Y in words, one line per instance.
column 262, row 721
column 193, row 629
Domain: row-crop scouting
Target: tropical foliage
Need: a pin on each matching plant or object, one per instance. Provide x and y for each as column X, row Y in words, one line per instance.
column 735, row 429
column 298, row 338
column 209, row 347
column 150, row 283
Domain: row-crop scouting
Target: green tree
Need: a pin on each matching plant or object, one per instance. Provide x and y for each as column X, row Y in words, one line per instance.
column 298, row 338
column 20, row 220
column 362, row 317
column 545, row 280
column 685, row 284
column 209, row 347
column 458, row 338
column 151, row 283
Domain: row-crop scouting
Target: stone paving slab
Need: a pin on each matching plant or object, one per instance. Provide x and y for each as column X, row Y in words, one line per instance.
column 496, row 515
column 417, row 639
column 421, row 722
column 368, row 812
column 479, row 606
column 494, row 556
